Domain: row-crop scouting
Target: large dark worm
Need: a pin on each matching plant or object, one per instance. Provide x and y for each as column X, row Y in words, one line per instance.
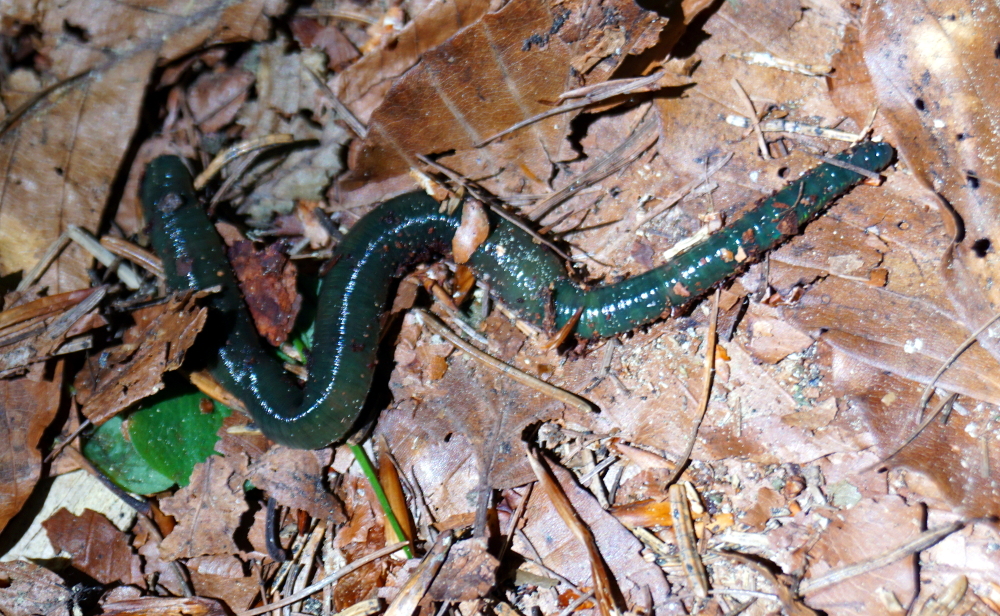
column 526, row 277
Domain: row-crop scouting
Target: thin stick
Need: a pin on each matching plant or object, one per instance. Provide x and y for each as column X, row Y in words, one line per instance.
column 499, row 211
column 868, row 173
column 330, row 579
column 357, row 126
column 921, row 543
column 706, row 387
column 748, row 104
column 514, row 521
column 43, row 264
column 948, row 362
column 684, row 190
column 439, row 328
column 923, row 425
column 238, row 151
column 627, row 86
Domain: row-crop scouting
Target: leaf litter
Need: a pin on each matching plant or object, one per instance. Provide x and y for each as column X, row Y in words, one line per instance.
column 824, row 349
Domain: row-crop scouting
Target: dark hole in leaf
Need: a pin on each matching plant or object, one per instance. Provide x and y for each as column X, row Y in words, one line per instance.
column 76, row 32
column 919, row 103
column 783, row 172
column 960, row 137
column 996, row 51
column 981, row 247
column 971, row 178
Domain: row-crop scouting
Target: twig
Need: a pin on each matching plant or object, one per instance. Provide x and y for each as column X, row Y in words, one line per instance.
column 683, row 192
column 357, row 126
column 630, row 149
column 239, row 151
column 330, row 579
column 579, row 601
column 613, row 88
column 687, row 542
column 748, row 104
column 948, row 362
column 868, row 173
column 923, row 425
column 514, row 521
column 706, row 388
column 50, row 255
column 125, row 272
column 420, row 580
column 925, row 540
column 86, row 423
column 140, row 256
column 570, row 399
column 791, row 126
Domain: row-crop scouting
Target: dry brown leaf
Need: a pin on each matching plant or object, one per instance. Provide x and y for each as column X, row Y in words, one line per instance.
column 95, row 545
column 340, row 52
column 494, row 73
column 267, row 279
column 26, row 588
column 296, row 479
column 71, row 143
column 164, row 606
column 363, row 85
column 770, row 338
column 462, row 426
column 37, row 339
column 208, row 510
column 928, row 62
column 27, row 407
column 216, row 98
column 132, row 371
column 224, row 578
column 949, row 465
column 860, row 533
column 617, row 546
column 363, row 534
column 906, row 335
column 469, row 572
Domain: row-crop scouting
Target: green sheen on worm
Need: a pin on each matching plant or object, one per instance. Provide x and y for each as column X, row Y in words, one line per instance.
column 526, row 277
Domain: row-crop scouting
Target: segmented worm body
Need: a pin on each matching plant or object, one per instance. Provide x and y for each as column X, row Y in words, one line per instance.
column 527, row 277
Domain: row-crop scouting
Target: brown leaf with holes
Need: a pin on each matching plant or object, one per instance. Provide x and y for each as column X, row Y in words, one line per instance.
column 95, row 545
column 296, row 479
column 208, row 510
column 27, row 407
column 928, row 63
column 132, row 371
column 505, row 68
column 267, row 279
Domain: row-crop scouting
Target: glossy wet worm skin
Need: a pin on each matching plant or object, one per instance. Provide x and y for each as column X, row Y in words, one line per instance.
column 526, row 277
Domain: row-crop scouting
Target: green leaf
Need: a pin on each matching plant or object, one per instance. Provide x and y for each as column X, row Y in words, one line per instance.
column 115, row 456
column 172, row 433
